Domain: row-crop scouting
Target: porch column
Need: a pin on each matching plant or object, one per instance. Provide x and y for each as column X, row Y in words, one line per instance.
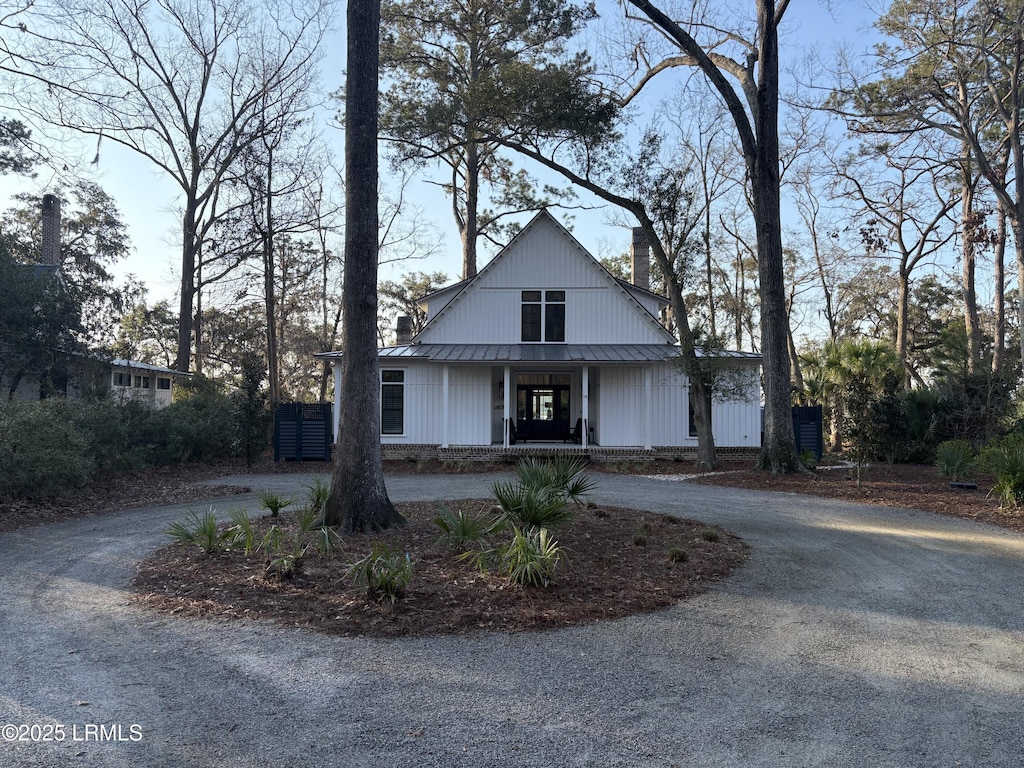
column 586, row 406
column 507, row 419
column 648, row 406
column 336, row 368
column 444, row 407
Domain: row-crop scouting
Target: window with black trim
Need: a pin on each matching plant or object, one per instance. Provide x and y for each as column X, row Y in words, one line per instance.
column 122, row 379
column 543, row 316
column 392, row 402
column 163, row 382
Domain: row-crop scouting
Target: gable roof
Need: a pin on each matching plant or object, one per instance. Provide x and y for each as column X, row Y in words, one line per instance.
column 543, row 216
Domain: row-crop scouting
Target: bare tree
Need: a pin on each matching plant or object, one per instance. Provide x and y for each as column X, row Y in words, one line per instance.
column 905, row 217
column 754, row 65
column 183, row 84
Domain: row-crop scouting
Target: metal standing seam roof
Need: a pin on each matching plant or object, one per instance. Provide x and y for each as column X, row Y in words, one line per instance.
column 537, row 353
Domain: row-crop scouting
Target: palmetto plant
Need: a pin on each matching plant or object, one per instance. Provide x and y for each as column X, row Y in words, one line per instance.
column 244, row 533
column 954, row 459
column 1006, row 462
column 566, row 476
column 540, row 494
column 534, row 506
column 273, row 502
column 202, row 532
column 317, row 493
column 531, row 557
column 385, row 572
column 463, row 531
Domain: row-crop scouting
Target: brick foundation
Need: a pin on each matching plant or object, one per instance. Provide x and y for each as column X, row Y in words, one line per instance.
column 393, row 452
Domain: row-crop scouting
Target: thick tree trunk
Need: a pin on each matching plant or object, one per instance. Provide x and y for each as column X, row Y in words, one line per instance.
column 778, row 446
column 358, row 498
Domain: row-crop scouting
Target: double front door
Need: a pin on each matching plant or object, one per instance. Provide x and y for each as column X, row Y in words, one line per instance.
column 543, row 411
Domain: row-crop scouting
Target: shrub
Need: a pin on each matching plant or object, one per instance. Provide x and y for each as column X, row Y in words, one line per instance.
column 200, row 427
column 244, row 533
column 1005, row 460
column 385, row 572
column 711, row 535
column 539, row 507
column 43, row 451
column 809, row 458
column 565, row 475
column 540, row 494
column 678, row 555
column 954, row 459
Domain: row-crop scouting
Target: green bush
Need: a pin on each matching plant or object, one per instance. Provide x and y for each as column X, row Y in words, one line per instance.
column 43, row 451
column 273, row 502
column 954, row 459
column 1005, row 460
column 317, row 494
column 539, row 496
column 198, row 428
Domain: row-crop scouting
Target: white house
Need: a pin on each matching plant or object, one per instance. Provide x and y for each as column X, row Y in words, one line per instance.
column 150, row 384
column 544, row 347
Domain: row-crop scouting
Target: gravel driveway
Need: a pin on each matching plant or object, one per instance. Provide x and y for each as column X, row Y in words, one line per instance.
column 854, row 636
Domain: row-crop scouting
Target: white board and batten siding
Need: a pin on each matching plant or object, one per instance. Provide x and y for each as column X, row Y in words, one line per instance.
column 469, row 405
column 627, row 418
column 597, row 309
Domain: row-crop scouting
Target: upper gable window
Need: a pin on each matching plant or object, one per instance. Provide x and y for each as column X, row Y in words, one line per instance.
column 543, row 316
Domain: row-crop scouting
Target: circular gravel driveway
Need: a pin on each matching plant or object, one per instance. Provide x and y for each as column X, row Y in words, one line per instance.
column 854, row 636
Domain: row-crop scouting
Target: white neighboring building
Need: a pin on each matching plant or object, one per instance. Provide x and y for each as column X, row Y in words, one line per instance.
column 544, row 345
column 151, row 384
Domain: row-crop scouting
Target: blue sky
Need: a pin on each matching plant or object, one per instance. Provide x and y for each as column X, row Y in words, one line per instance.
column 148, row 200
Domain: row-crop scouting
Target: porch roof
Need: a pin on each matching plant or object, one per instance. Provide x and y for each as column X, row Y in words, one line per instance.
column 537, row 353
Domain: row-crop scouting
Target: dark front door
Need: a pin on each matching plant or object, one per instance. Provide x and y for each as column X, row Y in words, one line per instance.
column 543, row 412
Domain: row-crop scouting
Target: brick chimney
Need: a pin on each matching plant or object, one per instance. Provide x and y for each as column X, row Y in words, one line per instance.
column 403, row 330
column 51, row 231
column 641, row 260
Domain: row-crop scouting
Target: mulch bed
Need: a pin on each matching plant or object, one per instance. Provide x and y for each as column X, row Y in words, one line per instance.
column 621, row 562
column 912, row 486
column 608, row 575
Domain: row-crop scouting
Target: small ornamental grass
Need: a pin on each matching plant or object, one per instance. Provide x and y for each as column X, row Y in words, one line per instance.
column 531, row 557
column 283, row 546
